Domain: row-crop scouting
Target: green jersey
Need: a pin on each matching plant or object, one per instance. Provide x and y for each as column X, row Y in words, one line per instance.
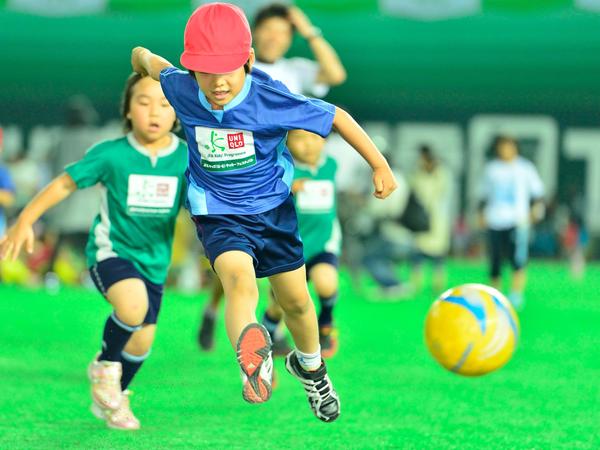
column 140, row 198
column 316, row 207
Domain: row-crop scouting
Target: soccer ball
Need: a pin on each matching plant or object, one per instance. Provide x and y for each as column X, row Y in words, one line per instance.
column 471, row 330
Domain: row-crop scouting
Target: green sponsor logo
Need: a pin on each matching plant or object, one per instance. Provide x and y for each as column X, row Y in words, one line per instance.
column 214, row 143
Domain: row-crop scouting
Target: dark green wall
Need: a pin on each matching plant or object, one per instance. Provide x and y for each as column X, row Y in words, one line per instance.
column 398, row 69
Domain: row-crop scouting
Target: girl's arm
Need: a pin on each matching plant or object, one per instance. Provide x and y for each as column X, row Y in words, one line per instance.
column 145, row 62
column 383, row 178
column 22, row 231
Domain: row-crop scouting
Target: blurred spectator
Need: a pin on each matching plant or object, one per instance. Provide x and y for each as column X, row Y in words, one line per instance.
column 274, row 28
column 511, row 199
column 433, row 187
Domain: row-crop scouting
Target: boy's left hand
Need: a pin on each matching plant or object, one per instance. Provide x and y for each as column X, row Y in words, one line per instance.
column 384, row 182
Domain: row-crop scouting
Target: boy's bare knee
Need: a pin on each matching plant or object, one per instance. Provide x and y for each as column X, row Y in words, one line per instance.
column 296, row 306
column 240, row 283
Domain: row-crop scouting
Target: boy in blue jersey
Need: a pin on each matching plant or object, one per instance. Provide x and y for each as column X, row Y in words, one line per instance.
column 240, row 172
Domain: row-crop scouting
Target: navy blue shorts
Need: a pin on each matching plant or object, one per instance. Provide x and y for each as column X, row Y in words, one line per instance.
column 112, row 270
column 512, row 244
column 270, row 238
column 321, row 258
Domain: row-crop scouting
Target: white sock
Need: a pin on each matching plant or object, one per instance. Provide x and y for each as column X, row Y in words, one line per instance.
column 309, row 361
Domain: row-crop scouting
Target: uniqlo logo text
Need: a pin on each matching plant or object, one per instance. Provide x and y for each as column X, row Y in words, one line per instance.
column 235, row 140
column 162, row 189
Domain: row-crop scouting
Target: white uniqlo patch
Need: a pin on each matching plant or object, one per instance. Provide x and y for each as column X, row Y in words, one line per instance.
column 316, row 196
column 225, row 149
column 151, row 194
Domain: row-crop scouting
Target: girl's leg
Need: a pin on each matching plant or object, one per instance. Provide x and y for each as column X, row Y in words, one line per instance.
column 132, row 357
column 130, row 301
column 135, row 353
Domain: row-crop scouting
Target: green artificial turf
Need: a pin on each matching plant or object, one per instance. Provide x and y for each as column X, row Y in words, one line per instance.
column 393, row 394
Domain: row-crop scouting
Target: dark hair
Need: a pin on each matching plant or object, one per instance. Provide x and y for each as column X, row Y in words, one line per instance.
column 273, row 10
column 132, row 80
column 427, row 154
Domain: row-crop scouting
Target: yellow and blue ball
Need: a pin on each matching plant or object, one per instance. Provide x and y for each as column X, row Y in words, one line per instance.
column 472, row 330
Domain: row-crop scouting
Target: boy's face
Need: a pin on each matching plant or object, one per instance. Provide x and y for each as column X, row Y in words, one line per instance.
column 220, row 88
column 306, row 147
column 151, row 115
column 273, row 38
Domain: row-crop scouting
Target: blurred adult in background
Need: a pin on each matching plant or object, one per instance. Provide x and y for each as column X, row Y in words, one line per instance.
column 71, row 219
column 511, row 199
column 274, row 28
column 432, row 184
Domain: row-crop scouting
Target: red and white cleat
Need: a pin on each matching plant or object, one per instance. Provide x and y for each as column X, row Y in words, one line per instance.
column 256, row 361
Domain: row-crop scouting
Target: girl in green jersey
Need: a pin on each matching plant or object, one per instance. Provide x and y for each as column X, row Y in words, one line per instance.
column 142, row 185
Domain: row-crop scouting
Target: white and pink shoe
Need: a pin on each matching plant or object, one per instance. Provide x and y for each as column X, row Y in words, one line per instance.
column 105, row 377
column 120, row 419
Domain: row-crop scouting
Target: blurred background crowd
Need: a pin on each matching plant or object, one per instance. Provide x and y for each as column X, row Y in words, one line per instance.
column 434, row 108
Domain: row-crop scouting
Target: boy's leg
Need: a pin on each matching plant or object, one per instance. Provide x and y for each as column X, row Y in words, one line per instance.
column 236, row 270
column 292, row 294
column 206, row 333
column 325, row 279
column 305, row 363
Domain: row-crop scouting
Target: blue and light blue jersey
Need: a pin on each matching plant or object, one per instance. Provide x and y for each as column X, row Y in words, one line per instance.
column 238, row 161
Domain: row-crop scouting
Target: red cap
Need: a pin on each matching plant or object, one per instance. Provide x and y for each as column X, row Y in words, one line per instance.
column 217, row 39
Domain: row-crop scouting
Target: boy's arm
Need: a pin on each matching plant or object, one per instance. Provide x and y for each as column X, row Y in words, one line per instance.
column 353, row 134
column 22, row 231
column 145, row 62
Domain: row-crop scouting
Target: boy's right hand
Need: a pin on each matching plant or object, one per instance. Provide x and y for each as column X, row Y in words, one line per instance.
column 384, row 181
column 137, row 60
column 11, row 243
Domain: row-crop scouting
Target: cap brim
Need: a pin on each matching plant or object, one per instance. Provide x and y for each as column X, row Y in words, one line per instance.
column 213, row 63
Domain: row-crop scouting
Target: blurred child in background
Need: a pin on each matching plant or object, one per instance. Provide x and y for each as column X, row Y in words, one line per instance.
column 511, row 200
